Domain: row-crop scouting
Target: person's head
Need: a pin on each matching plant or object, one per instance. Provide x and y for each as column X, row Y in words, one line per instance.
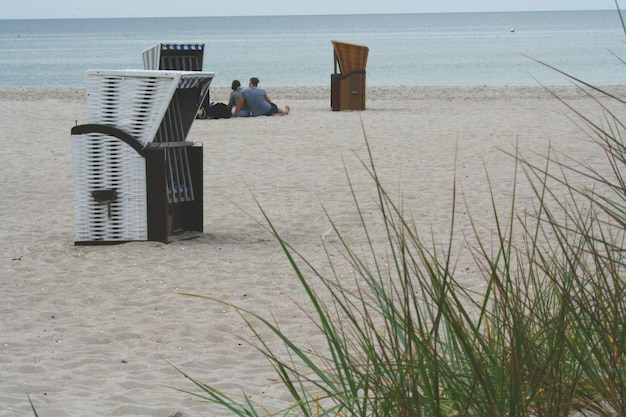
column 235, row 85
column 254, row 81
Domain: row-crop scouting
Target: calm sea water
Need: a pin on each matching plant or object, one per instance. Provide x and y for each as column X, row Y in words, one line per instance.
column 415, row 49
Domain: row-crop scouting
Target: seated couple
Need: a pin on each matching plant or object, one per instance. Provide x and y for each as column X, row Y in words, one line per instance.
column 252, row 101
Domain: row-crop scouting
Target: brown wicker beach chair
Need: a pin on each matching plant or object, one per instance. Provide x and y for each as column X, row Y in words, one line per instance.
column 347, row 83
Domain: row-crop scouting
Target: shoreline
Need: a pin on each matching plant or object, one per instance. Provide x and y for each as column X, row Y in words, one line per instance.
column 373, row 93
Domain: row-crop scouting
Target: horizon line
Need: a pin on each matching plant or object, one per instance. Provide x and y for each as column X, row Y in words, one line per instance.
column 305, row 15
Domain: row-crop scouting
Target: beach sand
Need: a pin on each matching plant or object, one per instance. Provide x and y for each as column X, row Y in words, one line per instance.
column 95, row 330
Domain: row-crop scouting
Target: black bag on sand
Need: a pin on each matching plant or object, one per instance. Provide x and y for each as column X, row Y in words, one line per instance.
column 219, row 111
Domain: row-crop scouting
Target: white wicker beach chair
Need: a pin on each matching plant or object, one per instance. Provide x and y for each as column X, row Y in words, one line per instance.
column 133, row 168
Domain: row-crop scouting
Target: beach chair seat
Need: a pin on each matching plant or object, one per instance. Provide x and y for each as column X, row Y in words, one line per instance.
column 347, row 83
column 136, row 176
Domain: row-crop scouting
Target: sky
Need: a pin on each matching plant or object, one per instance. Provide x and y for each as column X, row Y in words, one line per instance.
column 53, row 9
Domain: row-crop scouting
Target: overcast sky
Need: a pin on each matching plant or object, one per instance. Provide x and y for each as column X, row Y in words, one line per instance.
column 41, row 9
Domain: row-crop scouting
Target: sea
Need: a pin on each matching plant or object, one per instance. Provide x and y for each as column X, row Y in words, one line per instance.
column 447, row 49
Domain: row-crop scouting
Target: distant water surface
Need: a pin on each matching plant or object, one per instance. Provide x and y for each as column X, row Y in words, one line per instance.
column 456, row 49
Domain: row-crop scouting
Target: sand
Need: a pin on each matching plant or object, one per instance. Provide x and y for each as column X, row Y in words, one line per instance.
column 89, row 331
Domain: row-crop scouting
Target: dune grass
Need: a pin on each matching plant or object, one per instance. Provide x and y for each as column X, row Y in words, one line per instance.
column 407, row 339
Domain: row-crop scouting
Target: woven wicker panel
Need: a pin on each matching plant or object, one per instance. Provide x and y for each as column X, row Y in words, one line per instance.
column 106, row 164
column 134, row 104
column 138, row 102
column 350, row 57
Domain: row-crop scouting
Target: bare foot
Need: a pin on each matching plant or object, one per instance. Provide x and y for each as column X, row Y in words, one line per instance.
column 286, row 111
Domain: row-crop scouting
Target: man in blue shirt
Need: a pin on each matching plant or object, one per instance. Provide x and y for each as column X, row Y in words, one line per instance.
column 258, row 102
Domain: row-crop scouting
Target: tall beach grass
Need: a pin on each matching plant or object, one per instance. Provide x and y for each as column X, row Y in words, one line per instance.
column 546, row 338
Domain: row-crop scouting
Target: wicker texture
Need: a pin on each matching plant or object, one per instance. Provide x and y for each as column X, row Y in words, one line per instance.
column 134, row 104
column 104, row 163
column 350, row 57
column 137, row 102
